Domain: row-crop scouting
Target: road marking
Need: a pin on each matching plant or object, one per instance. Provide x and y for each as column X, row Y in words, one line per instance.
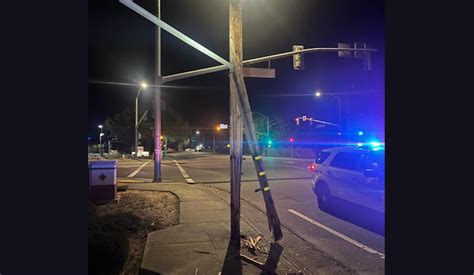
column 185, row 175
column 340, row 235
column 138, row 170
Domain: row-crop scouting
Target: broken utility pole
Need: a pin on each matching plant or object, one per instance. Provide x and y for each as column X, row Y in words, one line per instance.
column 236, row 127
column 241, row 112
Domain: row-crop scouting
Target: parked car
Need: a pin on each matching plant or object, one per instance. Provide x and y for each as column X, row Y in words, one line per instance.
column 354, row 174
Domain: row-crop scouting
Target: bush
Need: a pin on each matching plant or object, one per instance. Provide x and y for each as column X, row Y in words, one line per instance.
column 108, row 246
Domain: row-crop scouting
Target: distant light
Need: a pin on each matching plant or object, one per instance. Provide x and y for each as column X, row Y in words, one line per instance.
column 317, row 94
column 101, row 134
column 375, row 143
column 291, row 140
column 197, row 132
column 228, row 145
column 100, row 126
column 144, row 85
column 359, row 144
column 360, row 133
column 161, row 137
column 218, row 128
column 338, row 134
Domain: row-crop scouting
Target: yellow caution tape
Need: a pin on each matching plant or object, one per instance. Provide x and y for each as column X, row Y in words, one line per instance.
column 261, row 173
column 258, row 157
column 266, row 188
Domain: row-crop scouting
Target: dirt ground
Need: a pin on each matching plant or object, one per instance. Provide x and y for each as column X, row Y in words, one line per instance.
column 141, row 212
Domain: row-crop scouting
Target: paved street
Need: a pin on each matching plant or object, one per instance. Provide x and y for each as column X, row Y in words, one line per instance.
column 350, row 235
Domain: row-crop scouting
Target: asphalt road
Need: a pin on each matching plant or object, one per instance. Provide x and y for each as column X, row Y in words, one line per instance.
column 349, row 234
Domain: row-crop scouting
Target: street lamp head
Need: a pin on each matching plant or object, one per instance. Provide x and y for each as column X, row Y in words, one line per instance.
column 197, row 132
column 100, row 126
column 360, row 133
column 144, row 85
column 101, row 134
column 318, row 94
column 218, row 128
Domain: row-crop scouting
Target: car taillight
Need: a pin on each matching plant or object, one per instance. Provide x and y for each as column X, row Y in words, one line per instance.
column 312, row 167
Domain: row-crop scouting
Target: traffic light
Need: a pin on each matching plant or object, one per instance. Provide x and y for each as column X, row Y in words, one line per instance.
column 298, row 61
column 269, row 143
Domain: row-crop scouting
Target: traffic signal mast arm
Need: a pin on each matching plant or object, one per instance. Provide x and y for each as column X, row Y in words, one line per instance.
column 310, row 119
column 218, row 68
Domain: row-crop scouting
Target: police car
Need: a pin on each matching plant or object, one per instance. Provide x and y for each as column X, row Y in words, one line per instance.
column 352, row 173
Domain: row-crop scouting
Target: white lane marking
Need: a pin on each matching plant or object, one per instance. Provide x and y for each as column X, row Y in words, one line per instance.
column 185, row 175
column 340, row 235
column 137, row 170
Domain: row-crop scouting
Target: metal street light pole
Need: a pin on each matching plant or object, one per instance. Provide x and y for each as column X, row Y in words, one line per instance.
column 136, row 122
column 100, row 140
column 318, row 94
column 157, row 128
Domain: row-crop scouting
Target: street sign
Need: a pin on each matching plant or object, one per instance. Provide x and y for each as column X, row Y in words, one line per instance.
column 223, row 126
column 140, row 149
column 259, row 72
column 298, row 61
column 344, row 54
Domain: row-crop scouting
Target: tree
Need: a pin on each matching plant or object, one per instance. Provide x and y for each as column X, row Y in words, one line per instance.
column 120, row 127
column 260, row 124
column 175, row 128
column 280, row 128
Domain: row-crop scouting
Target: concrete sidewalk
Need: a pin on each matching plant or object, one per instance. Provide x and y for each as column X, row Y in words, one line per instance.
column 200, row 243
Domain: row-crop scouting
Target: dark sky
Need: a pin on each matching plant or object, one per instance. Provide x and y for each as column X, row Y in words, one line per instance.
column 121, row 49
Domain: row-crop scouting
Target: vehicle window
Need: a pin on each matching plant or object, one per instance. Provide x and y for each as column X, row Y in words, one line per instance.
column 346, row 160
column 322, row 156
column 372, row 161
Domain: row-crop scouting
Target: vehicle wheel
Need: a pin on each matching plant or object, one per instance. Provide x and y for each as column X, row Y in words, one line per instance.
column 324, row 196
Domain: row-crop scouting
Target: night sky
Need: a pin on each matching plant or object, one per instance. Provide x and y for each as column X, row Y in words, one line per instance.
column 121, row 50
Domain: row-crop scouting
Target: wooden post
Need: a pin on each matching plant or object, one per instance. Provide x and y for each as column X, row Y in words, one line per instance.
column 241, row 120
column 236, row 128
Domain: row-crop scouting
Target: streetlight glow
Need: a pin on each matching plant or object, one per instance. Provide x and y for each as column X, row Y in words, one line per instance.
column 144, row 85
column 101, row 134
column 100, row 126
column 360, row 133
column 197, row 132
column 317, row 94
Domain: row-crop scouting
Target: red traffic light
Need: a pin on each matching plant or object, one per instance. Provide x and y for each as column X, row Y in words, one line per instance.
column 292, row 139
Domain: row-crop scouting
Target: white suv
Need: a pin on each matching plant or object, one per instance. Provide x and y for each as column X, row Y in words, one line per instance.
column 354, row 174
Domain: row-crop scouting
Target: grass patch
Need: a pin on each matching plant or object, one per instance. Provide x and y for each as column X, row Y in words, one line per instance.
column 137, row 213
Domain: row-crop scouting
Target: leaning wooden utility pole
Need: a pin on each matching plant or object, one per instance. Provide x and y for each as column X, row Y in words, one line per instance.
column 236, row 126
column 241, row 115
